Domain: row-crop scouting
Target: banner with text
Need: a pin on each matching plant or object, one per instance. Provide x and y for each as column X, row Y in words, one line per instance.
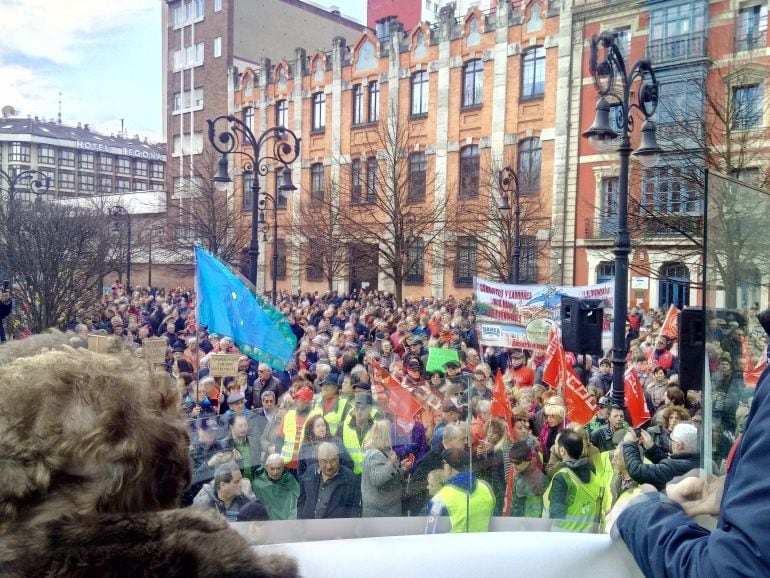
column 520, row 315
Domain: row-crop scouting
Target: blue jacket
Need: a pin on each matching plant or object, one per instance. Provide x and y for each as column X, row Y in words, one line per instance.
column 667, row 542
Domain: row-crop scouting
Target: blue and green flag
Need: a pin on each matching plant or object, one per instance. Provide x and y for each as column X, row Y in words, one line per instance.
column 227, row 306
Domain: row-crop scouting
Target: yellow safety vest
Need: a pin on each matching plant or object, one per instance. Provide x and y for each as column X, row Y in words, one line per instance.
column 480, row 506
column 582, row 498
column 353, row 445
column 604, row 471
column 333, row 418
column 291, row 437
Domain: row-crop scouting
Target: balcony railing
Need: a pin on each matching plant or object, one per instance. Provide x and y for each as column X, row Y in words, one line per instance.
column 750, row 40
column 654, row 226
column 680, row 47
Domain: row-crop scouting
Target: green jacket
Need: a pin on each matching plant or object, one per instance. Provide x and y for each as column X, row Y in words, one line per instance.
column 280, row 498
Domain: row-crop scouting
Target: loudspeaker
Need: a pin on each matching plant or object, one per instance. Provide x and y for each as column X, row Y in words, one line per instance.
column 692, row 349
column 581, row 325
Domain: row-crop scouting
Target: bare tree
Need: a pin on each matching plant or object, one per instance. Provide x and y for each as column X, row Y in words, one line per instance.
column 206, row 214
column 316, row 229
column 493, row 229
column 386, row 201
column 57, row 254
column 705, row 121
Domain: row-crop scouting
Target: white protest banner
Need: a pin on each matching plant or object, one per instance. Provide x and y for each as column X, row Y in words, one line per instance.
column 516, row 315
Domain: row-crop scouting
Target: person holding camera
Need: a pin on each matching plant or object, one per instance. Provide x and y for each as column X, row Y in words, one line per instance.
column 685, row 455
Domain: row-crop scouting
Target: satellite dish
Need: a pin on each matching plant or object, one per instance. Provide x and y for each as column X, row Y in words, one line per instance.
column 8, row 111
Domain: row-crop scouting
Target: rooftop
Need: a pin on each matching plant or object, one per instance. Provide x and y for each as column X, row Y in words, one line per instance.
column 52, row 129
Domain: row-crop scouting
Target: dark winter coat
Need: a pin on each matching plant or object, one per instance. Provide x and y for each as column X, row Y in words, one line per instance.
column 667, row 542
column 662, row 469
column 343, row 496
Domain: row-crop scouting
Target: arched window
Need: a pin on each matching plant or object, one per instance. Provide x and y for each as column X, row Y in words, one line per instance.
column 419, row 45
column 674, row 285
column 474, row 37
column 366, row 57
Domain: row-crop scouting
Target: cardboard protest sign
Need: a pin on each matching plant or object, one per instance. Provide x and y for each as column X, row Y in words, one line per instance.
column 154, row 350
column 98, row 343
column 224, row 364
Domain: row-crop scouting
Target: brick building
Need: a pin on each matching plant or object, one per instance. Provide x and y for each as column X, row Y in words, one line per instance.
column 711, row 60
column 472, row 90
column 202, row 40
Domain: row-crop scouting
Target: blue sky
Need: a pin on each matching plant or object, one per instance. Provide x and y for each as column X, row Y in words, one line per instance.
column 104, row 56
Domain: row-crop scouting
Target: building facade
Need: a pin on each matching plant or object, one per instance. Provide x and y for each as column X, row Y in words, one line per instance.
column 470, row 90
column 202, row 40
column 79, row 161
column 711, row 60
column 101, row 171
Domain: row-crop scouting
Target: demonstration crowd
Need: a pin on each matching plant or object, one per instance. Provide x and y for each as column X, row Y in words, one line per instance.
column 334, row 435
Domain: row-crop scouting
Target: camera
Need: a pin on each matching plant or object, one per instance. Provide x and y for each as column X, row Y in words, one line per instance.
column 6, row 286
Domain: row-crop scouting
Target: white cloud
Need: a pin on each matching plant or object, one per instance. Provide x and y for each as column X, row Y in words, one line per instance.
column 27, row 91
column 61, row 31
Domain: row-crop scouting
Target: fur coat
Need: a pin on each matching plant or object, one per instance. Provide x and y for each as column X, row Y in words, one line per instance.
column 189, row 543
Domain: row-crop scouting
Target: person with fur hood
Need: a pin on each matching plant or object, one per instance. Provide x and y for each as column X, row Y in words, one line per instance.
column 91, row 474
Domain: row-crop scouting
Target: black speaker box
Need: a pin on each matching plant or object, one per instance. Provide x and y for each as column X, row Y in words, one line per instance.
column 581, row 325
column 692, row 349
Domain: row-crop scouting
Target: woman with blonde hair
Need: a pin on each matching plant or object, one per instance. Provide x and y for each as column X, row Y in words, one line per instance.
column 382, row 475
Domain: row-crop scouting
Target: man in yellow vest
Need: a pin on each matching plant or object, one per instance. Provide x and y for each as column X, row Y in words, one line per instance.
column 330, row 405
column 355, row 428
column 575, row 498
column 289, row 435
column 467, row 501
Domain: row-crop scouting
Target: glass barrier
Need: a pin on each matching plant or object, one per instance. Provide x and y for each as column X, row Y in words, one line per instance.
column 737, row 273
column 400, row 455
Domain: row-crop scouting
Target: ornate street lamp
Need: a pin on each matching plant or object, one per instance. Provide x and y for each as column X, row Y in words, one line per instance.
column 36, row 181
column 508, row 181
column 613, row 83
column 120, row 212
column 282, row 146
column 284, row 185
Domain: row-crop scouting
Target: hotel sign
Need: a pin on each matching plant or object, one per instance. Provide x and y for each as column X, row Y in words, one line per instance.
column 125, row 151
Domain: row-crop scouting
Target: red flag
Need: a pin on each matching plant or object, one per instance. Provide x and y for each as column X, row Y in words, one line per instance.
column 401, row 403
column 670, row 327
column 635, row 402
column 554, row 359
column 501, row 405
column 751, row 378
column 581, row 406
column 745, row 353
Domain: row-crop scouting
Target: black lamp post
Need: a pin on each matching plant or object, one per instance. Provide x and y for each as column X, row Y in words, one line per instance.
column 509, row 183
column 286, row 185
column 613, row 83
column 120, row 212
column 285, row 149
column 36, row 181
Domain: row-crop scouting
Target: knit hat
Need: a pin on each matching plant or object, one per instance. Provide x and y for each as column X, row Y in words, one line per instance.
column 253, row 511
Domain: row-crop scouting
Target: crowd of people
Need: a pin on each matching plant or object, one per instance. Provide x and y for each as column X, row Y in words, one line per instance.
column 319, row 439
